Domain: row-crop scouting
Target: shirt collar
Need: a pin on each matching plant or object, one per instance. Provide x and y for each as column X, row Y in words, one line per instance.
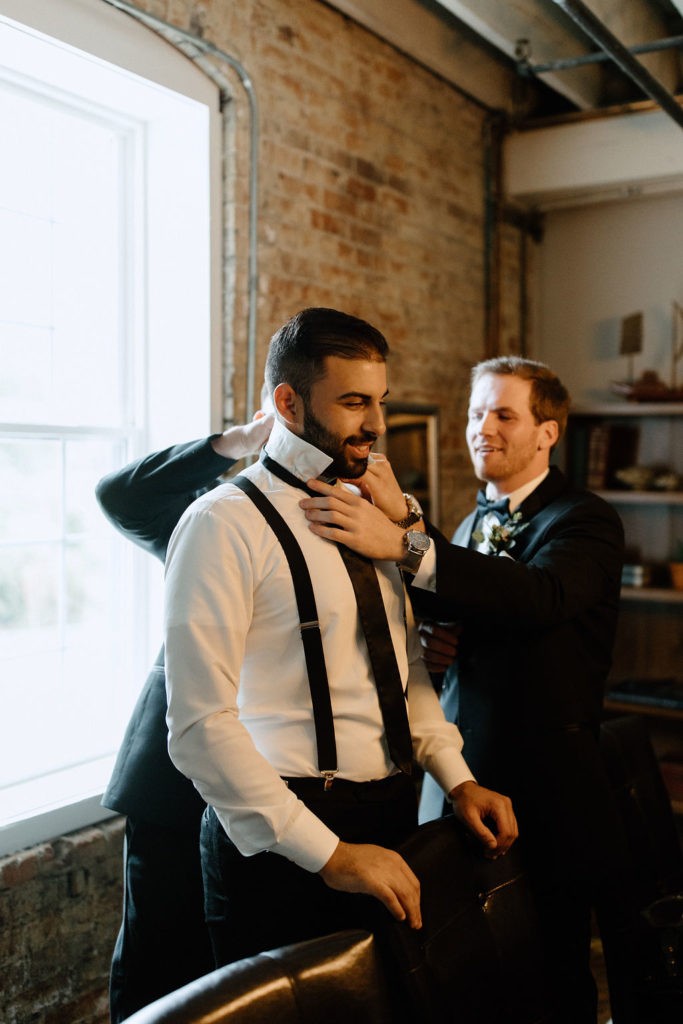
column 293, row 453
column 517, row 496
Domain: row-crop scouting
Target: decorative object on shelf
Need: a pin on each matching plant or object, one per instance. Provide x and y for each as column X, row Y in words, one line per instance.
column 649, row 387
column 637, row 478
column 667, row 480
column 631, row 339
column 676, row 567
column 648, row 478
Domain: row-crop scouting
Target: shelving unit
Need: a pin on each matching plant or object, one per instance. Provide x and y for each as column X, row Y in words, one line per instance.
column 649, row 643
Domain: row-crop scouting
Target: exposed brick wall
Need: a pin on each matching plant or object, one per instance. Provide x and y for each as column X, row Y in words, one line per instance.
column 371, row 194
column 60, row 908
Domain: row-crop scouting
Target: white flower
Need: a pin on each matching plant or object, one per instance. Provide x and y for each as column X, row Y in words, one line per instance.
column 500, row 537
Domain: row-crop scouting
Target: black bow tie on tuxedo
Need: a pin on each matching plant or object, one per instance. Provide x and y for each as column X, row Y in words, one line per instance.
column 501, row 507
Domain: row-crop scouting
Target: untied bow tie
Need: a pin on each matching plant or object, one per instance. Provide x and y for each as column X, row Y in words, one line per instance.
column 500, row 508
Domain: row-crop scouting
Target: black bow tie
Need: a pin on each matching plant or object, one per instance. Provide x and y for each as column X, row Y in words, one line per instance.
column 500, row 507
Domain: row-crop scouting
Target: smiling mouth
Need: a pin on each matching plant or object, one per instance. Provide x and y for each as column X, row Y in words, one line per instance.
column 361, row 451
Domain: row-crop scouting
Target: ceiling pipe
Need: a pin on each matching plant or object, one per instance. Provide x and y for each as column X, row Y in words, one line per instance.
column 565, row 63
column 621, row 56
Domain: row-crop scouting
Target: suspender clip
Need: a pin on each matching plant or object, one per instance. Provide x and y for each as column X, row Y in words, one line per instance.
column 329, row 779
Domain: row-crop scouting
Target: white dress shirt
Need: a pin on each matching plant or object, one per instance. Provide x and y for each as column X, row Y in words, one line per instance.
column 239, row 706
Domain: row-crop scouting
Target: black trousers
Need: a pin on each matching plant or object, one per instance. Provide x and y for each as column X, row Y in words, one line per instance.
column 266, row 901
column 163, row 941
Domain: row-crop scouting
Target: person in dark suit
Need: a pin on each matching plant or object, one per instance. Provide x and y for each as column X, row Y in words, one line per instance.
column 163, row 941
column 531, row 631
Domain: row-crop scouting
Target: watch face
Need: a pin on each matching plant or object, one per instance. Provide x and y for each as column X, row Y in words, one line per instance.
column 417, row 541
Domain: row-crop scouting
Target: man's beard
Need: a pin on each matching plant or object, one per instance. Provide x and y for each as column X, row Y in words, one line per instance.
column 346, row 467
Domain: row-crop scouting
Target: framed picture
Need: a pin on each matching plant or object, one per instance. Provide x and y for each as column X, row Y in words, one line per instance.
column 411, row 445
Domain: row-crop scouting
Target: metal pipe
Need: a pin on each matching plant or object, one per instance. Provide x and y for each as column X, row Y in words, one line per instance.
column 601, row 35
column 166, row 30
column 596, row 58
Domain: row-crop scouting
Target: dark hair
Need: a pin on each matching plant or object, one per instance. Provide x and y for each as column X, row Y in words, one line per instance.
column 549, row 399
column 297, row 351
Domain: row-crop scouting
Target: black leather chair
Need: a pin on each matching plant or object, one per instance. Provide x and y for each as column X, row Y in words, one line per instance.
column 329, row 980
column 656, row 981
column 645, row 807
column 478, row 958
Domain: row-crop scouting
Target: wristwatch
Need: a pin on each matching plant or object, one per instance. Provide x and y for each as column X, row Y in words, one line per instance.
column 414, row 513
column 415, row 544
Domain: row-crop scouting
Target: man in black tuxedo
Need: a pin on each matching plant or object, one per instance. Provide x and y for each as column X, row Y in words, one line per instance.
column 531, row 631
column 163, row 941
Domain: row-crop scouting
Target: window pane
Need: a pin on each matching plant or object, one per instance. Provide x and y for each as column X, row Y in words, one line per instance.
column 65, row 603
column 61, row 240
column 26, row 378
column 31, row 491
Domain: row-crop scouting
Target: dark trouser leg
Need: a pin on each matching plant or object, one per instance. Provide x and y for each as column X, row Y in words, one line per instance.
column 265, row 901
column 565, row 918
column 163, row 942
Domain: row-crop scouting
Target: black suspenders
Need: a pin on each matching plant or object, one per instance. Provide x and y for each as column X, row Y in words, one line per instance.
column 310, row 629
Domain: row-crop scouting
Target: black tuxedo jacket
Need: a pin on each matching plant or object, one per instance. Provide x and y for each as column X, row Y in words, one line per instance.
column 534, row 653
column 145, row 500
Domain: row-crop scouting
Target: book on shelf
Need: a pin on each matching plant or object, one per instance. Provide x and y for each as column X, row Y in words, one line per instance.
column 597, row 450
column 636, row 576
column 663, row 693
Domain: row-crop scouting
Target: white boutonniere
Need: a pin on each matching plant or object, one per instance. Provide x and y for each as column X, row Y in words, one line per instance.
column 500, row 538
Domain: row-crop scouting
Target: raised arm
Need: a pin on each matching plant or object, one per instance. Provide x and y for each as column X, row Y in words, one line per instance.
column 146, row 498
column 574, row 560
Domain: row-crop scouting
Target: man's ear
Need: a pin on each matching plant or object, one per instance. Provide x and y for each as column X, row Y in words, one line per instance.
column 288, row 404
column 548, row 434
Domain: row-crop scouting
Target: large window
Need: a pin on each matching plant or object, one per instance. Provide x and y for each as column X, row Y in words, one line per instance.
column 105, row 351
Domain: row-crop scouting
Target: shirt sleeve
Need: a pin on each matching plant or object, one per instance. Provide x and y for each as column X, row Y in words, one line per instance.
column 208, row 608
column 437, row 743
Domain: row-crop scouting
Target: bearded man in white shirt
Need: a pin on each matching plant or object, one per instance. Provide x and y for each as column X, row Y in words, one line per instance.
column 290, row 850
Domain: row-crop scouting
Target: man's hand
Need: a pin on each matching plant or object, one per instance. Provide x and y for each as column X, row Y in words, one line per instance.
column 473, row 804
column 379, row 485
column 346, row 518
column 378, row 872
column 244, row 439
column 439, row 642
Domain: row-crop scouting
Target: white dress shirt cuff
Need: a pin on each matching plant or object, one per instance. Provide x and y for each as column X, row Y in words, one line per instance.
column 451, row 770
column 425, row 577
column 307, row 840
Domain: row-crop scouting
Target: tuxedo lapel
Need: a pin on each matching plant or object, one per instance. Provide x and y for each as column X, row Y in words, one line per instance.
column 462, row 535
column 536, row 511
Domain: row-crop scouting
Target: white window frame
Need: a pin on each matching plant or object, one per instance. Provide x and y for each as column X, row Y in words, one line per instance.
column 178, row 390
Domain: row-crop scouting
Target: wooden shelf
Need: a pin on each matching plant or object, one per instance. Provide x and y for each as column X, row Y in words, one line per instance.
column 642, row 497
column 652, row 710
column 658, row 595
column 630, row 409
